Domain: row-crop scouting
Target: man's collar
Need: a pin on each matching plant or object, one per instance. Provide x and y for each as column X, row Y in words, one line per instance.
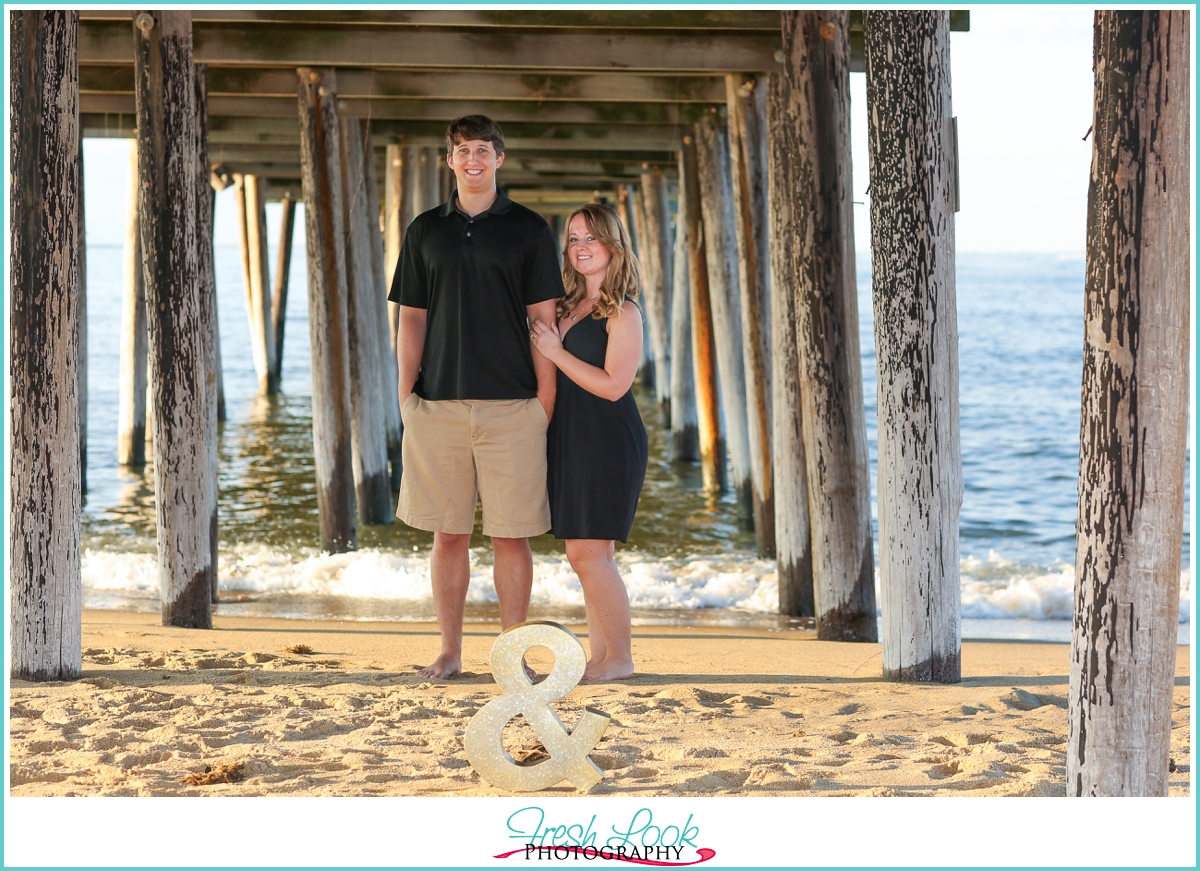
column 498, row 207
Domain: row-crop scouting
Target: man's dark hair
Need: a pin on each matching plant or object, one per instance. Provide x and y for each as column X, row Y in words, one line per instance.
column 470, row 127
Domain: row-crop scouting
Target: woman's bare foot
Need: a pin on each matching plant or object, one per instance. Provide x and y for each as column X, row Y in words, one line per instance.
column 610, row 669
column 443, row 667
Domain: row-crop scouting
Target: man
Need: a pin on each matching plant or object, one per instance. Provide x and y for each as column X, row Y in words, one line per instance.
column 474, row 398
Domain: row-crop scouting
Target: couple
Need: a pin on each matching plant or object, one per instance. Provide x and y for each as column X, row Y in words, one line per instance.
column 517, row 391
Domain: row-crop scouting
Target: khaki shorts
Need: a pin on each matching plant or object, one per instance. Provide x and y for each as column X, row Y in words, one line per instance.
column 457, row 449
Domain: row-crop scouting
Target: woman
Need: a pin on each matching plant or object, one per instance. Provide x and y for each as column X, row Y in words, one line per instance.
column 596, row 442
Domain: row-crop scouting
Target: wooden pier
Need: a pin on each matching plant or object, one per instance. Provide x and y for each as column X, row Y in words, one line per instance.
column 722, row 137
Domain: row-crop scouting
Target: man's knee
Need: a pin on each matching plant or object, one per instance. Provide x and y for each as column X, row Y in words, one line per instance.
column 449, row 542
column 511, row 545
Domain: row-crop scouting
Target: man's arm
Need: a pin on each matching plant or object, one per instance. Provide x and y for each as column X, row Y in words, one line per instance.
column 410, row 345
column 545, row 369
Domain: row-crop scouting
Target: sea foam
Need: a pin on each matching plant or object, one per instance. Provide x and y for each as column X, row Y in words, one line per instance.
column 992, row 587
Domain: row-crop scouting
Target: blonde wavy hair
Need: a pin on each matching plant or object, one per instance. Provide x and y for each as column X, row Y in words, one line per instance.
column 622, row 279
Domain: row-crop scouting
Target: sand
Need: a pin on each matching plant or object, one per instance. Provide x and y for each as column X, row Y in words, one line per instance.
column 712, row 711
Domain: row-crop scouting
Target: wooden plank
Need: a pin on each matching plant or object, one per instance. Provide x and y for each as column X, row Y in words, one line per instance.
column 813, row 260
column 368, row 417
column 524, row 136
column 704, row 357
column 673, row 19
column 720, row 242
column 206, row 289
column 442, row 111
column 443, row 85
column 132, row 362
column 685, row 438
column 44, row 572
column 355, row 45
column 920, row 486
column 166, row 103
column 327, row 314
column 747, row 97
column 1133, row 431
column 657, row 248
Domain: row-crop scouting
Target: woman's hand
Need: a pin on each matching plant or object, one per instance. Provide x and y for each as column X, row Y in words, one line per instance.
column 546, row 339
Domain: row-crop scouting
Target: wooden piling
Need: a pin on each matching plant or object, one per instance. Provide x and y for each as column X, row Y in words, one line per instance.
column 657, row 250
column 384, row 339
column 812, row 263
column 1133, row 431
column 250, row 198
column 393, row 230
column 920, row 486
column 716, row 205
column 131, row 373
column 283, row 268
column 165, row 95
column 685, row 440
column 746, row 98
column 206, row 288
column 428, row 180
column 327, row 314
column 647, row 374
column 793, row 539
column 44, row 573
column 704, row 357
column 368, row 416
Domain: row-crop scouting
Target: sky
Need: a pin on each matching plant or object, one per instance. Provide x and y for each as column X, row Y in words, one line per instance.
column 1022, row 91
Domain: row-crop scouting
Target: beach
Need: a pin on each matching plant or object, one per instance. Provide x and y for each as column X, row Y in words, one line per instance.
column 712, row 710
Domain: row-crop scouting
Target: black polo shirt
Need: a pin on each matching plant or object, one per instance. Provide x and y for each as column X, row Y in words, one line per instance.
column 474, row 277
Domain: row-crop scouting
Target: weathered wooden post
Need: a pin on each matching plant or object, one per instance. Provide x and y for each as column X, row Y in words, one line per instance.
column 393, row 229
column 384, row 338
column 283, row 268
column 206, row 288
column 411, row 190
column 625, row 213
column 920, row 485
column 368, row 415
column 250, row 197
column 327, row 315
column 46, row 618
column 793, row 541
column 427, row 180
column 656, row 251
column 1133, row 432
column 218, row 181
column 685, row 443
column 704, row 357
column 812, row 270
column 131, row 373
column 165, row 95
column 746, row 98
column 636, row 226
column 716, row 205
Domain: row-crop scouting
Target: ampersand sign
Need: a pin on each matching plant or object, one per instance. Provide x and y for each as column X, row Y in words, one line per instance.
column 568, row 750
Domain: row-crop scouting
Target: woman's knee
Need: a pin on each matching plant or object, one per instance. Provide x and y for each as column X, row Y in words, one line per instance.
column 586, row 553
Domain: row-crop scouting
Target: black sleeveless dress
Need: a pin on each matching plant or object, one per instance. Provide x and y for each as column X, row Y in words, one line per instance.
column 597, row 450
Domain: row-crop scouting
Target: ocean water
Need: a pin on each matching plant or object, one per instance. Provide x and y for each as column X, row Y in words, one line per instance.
column 1020, row 328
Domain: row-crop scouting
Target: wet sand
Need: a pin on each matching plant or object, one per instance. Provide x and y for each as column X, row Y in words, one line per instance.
column 711, row 711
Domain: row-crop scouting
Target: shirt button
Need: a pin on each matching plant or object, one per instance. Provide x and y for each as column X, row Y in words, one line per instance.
column 468, row 232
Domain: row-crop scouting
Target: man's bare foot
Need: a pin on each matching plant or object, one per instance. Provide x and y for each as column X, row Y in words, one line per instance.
column 610, row 669
column 443, row 667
